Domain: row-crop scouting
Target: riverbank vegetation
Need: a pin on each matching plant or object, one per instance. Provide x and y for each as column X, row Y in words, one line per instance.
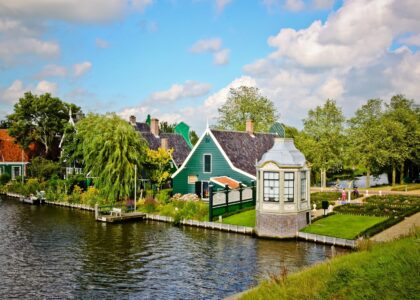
column 380, row 271
column 244, row 218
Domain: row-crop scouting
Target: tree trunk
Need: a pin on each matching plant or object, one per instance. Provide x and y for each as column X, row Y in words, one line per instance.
column 368, row 179
column 402, row 174
column 323, row 178
column 394, row 174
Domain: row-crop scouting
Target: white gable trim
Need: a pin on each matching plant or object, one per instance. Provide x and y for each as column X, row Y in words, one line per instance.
column 208, row 132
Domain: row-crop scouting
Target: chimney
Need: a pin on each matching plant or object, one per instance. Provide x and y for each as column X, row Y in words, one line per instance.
column 154, row 127
column 249, row 128
column 132, row 120
column 164, row 143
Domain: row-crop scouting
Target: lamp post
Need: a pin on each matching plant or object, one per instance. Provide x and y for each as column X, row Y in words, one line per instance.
column 135, row 188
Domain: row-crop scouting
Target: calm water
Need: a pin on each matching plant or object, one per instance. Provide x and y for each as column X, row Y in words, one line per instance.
column 53, row 252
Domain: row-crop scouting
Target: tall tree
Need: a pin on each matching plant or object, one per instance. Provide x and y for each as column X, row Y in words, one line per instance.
column 39, row 119
column 404, row 137
column 159, row 163
column 110, row 148
column 245, row 102
column 322, row 138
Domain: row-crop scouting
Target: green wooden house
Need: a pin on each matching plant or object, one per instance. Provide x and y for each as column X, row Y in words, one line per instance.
column 13, row 160
column 220, row 158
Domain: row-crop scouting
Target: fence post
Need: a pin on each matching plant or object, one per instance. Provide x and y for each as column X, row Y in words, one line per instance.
column 227, row 198
column 211, row 203
column 254, row 192
column 96, row 211
column 240, row 195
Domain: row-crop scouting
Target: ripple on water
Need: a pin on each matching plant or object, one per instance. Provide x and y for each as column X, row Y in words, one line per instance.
column 53, row 252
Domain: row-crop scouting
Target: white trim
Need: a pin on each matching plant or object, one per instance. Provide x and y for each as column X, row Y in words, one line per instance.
column 204, row 163
column 208, row 132
column 13, row 174
column 13, row 163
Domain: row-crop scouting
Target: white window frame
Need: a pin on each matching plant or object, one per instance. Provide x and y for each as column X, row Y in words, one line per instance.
column 288, row 188
column 204, row 163
column 202, row 189
column 13, row 173
column 271, row 186
column 303, row 185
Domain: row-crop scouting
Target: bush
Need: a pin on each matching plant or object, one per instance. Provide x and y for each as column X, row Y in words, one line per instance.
column 43, row 168
column 76, row 195
column 164, row 196
column 150, row 204
column 4, row 178
column 91, row 196
column 32, row 186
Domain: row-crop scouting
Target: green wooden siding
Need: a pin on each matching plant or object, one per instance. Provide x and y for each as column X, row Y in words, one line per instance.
column 195, row 166
column 7, row 168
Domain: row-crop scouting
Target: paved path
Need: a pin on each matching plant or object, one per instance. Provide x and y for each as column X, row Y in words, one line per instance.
column 402, row 228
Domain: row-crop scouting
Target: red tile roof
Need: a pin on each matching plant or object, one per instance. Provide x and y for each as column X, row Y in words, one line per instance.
column 225, row 180
column 9, row 151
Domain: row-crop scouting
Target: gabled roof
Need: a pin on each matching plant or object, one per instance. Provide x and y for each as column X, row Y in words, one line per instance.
column 175, row 141
column 243, row 149
column 9, row 151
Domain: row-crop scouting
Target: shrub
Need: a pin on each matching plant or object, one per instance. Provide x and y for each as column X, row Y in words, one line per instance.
column 76, row 195
column 43, row 168
column 32, row 186
column 163, row 196
column 91, row 196
column 4, row 178
column 150, row 204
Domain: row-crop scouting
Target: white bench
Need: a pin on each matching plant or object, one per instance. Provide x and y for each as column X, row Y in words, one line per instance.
column 116, row 211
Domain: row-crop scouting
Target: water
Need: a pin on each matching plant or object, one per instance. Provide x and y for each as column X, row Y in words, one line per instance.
column 54, row 252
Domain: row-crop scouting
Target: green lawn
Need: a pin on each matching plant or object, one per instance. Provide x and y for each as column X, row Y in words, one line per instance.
column 246, row 218
column 343, row 226
column 385, row 271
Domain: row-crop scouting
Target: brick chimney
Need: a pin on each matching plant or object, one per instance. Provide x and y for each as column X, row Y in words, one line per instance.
column 164, row 143
column 249, row 128
column 132, row 120
column 154, row 127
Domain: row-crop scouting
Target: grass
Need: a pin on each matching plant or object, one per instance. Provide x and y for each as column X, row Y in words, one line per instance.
column 343, row 226
column 246, row 218
column 383, row 271
column 331, row 197
column 397, row 187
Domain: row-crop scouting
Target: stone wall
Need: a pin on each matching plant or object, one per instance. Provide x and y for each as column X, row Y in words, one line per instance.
column 280, row 226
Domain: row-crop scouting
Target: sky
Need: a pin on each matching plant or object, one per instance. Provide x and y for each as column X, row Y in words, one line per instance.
column 177, row 59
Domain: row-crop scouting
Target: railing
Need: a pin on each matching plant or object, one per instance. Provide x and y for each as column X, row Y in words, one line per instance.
column 230, row 200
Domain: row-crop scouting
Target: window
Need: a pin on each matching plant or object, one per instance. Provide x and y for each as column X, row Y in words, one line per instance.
column 271, row 186
column 289, row 185
column 192, row 179
column 207, row 163
column 303, row 186
column 15, row 172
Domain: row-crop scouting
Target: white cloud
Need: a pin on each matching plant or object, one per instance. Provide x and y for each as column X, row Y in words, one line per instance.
column 81, row 68
column 16, row 90
column 10, row 49
column 45, row 87
column 213, row 46
column 207, row 45
column 101, row 43
column 294, row 5
column 323, row 4
column 413, row 40
column 190, row 89
column 141, row 4
column 52, row 71
column 332, row 88
column 221, row 4
column 221, row 57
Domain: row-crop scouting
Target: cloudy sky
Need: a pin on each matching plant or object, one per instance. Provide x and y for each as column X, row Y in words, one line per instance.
column 177, row 59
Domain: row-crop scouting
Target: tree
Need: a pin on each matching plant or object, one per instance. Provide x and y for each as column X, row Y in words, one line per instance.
column 322, row 139
column 39, row 119
column 365, row 135
column 193, row 137
column 159, row 162
column 43, row 169
column 245, row 102
column 166, row 127
column 403, row 135
column 110, row 148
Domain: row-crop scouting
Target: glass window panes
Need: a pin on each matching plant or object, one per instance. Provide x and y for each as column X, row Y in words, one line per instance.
column 303, row 186
column 289, row 185
column 271, row 186
column 207, row 163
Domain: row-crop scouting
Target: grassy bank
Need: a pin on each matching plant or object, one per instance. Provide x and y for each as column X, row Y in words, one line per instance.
column 343, row 226
column 246, row 218
column 384, row 271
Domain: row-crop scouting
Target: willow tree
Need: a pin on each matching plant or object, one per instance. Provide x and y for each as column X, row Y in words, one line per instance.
column 322, row 138
column 111, row 149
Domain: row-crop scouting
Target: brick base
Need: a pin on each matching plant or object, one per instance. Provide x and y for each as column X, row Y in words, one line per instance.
column 280, row 226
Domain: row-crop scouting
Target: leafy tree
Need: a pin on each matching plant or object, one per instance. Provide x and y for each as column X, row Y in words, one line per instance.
column 4, row 124
column 43, row 169
column 403, row 135
column 39, row 119
column 110, row 148
column 159, row 162
column 322, row 138
column 245, row 102
column 365, row 135
column 166, row 127
column 194, row 137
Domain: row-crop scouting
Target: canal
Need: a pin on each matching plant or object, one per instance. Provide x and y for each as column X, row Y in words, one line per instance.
column 53, row 252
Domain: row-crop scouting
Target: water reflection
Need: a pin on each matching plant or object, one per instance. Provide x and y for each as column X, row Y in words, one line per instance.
column 53, row 252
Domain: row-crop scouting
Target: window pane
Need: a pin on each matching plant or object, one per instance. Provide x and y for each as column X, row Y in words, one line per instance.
column 207, row 163
column 303, row 186
column 271, row 189
column 289, row 185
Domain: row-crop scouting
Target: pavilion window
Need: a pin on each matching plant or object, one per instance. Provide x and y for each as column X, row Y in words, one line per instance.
column 303, row 186
column 289, row 186
column 271, row 187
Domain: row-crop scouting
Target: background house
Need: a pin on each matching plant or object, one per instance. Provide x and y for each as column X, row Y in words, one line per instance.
column 13, row 159
column 222, row 157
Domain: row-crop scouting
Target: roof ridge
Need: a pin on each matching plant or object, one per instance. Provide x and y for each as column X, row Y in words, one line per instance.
column 237, row 131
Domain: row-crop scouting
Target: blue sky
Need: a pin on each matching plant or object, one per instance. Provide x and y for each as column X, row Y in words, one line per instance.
column 177, row 59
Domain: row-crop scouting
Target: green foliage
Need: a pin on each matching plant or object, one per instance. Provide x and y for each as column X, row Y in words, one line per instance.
column 164, row 195
column 32, row 186
column 39, row 119
column 385, row 271
column 4, row 178
column 150, row 204
column 159, row 165
column 110, row 148
column 245, row 102
column 91, row 197
column 194, row 137
column 244, row 218
column 43, row 169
